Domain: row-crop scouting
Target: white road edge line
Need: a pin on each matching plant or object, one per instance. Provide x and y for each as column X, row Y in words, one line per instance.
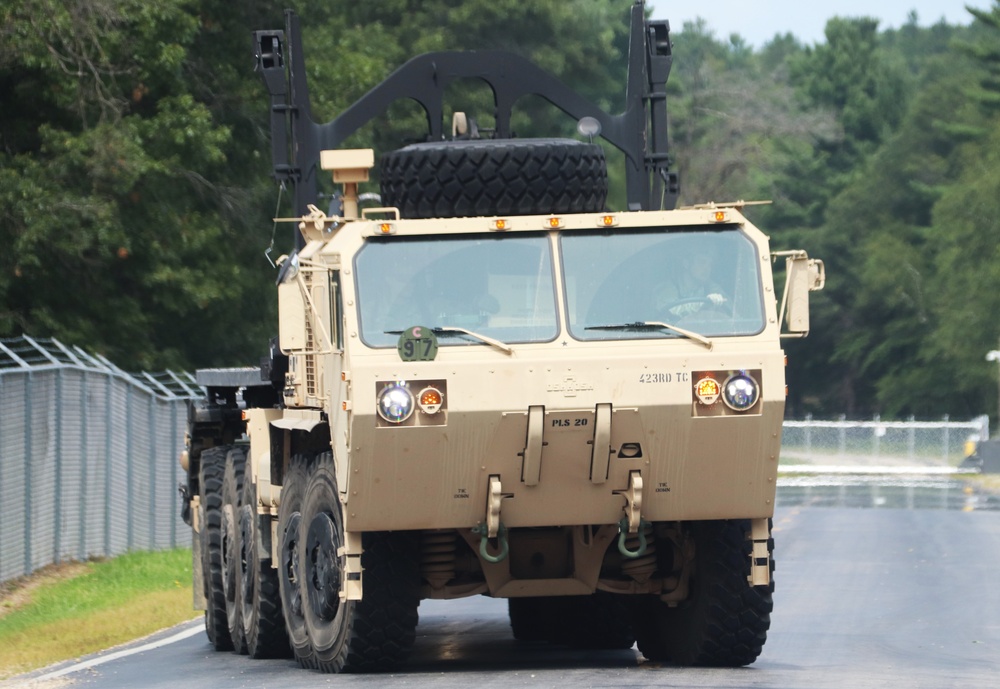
column 93, row 662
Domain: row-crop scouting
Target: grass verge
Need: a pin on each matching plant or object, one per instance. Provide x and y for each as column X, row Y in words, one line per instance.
column 70, row 611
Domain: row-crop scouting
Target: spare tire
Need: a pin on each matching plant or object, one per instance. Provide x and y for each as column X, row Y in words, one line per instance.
column 494, row 177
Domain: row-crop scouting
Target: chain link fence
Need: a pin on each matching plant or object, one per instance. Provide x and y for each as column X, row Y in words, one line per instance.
column 878, row 443
column 88, row 456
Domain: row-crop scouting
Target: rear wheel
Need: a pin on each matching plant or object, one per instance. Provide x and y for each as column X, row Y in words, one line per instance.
column 290, row 583
column 232, row 544
column 367, row 635
column 260, row 611
column 597, row 621
column 529, row 618
column 494, row 177
column 211, row 474
column 724, row 621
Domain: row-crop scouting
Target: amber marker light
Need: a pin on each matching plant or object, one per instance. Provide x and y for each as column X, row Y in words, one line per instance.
column 707, row 390
column 720, row 216
column 430, row 400
column 386, row 228
column 554, row 222
column 607, row 221
column 500, row 224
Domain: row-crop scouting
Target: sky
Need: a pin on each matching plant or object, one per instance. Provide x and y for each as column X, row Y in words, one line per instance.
column 758, row 21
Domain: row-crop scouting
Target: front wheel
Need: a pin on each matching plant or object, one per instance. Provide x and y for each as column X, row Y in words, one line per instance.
column 724, row 621
column 368, row 635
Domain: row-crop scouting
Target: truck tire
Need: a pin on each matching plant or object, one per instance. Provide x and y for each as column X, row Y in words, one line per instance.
column 232, row 496
column 529, row 618
column 599, row 621
column 211, row 473
column 263, row 622
column 293, row 488
column 724, row 622
column 373, row 634
column 494, row 177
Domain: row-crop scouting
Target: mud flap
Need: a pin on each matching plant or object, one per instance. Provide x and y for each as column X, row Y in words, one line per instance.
column 760, row 565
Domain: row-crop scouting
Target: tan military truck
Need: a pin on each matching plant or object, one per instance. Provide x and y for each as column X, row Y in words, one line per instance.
column 491, row 385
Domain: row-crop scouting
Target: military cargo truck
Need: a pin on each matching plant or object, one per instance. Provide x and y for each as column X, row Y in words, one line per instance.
column 489, row 384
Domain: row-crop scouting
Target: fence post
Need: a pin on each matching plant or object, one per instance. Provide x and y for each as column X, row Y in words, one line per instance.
column 911, row 437
column 81, row 553
column 57, row 508
column 129, row 455
column 1, row 461
column 107, row 466
column 808, row 428
column 152, row 472
column 946, row 438
column 174, row 456
column 27, row 472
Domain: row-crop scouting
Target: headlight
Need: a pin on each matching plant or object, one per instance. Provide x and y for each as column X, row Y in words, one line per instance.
column 395, row 403
column 740, row 392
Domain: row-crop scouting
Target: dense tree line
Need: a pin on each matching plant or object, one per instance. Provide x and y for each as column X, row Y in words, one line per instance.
column 135, row 184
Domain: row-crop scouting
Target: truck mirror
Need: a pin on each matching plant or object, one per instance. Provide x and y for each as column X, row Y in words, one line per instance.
column 292, row 317
column 802, row 276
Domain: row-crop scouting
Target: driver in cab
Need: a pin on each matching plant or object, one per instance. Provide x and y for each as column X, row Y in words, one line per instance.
column 690, row 289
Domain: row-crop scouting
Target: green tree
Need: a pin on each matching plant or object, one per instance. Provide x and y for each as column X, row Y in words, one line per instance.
column 965, row 241
column 115, row 185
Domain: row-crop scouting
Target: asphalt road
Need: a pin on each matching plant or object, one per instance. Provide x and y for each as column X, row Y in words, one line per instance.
column 864, row 598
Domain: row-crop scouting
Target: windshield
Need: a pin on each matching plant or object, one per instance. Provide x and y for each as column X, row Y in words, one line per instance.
column 705, row 282
column 500, row 287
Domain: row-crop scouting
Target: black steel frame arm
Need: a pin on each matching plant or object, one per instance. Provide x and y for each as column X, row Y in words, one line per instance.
column 640, row 132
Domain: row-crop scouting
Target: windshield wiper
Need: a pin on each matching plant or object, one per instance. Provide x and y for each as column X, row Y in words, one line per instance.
column 451, row 329
column 655, row 325
column 502, row 346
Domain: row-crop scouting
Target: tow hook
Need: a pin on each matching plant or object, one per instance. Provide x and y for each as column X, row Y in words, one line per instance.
column 623, row 534
column 483, row 532
column 493, row 527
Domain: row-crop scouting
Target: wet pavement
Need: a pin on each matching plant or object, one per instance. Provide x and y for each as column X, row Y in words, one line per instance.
column 916, row 492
